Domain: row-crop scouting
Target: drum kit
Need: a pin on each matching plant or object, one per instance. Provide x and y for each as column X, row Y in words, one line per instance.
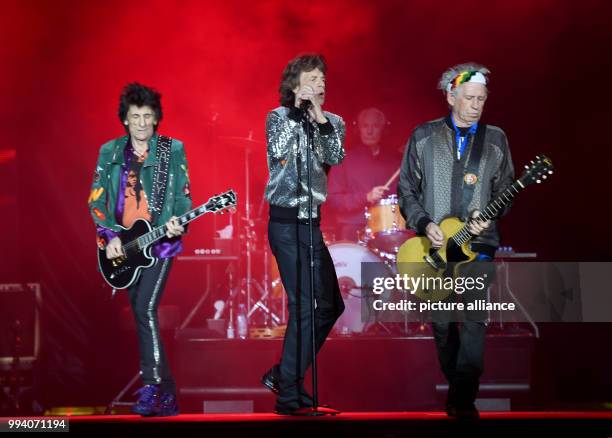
column 383, row 233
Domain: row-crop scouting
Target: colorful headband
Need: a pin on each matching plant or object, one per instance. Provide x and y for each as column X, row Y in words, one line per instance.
column 466, row 76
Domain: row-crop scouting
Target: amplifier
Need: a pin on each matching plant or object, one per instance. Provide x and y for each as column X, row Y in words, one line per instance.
column 19, row 323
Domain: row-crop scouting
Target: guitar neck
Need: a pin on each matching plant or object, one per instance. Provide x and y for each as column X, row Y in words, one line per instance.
column 490, row 212
column 159, row 232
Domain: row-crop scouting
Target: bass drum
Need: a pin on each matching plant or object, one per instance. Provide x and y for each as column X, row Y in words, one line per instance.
column 348, row 258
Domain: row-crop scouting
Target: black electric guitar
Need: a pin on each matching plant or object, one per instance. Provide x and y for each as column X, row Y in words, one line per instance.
column 416, row 258
column 123, row 271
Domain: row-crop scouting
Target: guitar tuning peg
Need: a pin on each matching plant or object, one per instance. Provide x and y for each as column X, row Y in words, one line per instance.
column 531, row 162
column 543, row 176
column 550, row 172
column 526, row 166
column 538, row 181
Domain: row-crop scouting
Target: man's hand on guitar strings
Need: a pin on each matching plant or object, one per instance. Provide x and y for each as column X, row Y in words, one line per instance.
column 114, row 248
column 476, row 226
column 173, row 228
column 434, row 234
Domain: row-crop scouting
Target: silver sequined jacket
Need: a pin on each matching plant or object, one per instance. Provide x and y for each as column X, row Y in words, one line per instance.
column 286, row 147
column 426, row 178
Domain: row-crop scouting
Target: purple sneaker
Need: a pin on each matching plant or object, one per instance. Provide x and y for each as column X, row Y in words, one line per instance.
column 168, row 407
column 147, row 404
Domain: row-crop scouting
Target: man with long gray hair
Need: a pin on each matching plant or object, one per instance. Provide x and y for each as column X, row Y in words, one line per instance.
column 454, row 166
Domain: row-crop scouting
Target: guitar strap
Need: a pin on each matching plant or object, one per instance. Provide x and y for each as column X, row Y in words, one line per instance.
column 160, row 176
column 470, row 175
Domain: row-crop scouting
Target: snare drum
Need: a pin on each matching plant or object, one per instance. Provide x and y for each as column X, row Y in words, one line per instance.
column 386, row 228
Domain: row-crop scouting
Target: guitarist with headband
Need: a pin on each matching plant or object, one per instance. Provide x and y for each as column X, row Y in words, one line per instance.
column 143, row 175
column 454, row 166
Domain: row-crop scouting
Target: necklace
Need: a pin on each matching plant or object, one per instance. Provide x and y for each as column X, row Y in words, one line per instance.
column 139, row 154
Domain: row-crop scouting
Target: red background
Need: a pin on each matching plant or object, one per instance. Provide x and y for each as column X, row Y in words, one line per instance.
column 218, row 64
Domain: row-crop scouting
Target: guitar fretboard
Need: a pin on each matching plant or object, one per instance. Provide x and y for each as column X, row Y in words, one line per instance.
column 490, row 212
column 159, row 232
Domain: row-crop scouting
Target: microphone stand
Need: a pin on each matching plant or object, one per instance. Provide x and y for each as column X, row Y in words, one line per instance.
column 315, row 410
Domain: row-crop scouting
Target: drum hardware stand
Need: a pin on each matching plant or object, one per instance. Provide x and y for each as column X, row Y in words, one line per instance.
column 369, row 325
column 249, row 225
column 250, row 236
column 503, row 267
column 249, row 282
column 368, row 296
column 262, row 303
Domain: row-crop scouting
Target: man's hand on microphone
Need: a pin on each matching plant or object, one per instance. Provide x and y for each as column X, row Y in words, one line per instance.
column 306, row 92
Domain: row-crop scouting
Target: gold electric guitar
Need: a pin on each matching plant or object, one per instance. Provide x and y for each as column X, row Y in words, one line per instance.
column 416, row 258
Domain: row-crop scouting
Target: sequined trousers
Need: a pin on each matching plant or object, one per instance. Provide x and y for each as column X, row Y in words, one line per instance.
column 144, row 296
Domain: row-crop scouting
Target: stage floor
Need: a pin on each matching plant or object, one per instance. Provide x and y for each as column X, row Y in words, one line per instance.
column 371, row 424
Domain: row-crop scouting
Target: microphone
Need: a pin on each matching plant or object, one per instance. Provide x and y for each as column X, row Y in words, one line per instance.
column 305, row 104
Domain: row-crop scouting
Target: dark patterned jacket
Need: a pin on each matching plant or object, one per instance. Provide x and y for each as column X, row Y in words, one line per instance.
column 427, row 179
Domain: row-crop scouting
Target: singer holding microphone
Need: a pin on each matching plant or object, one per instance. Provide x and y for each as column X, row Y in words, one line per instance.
column 302, row 94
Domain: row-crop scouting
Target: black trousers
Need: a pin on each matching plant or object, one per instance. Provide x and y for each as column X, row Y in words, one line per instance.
column 289, row 243
column 460, row 340
column 145, row 296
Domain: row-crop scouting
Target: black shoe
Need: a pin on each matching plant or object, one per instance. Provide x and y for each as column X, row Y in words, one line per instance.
column 468, row 412
column 451, row 404
column 306, row 400
column 286, row 408
column 270, row 379
column 464, row 412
